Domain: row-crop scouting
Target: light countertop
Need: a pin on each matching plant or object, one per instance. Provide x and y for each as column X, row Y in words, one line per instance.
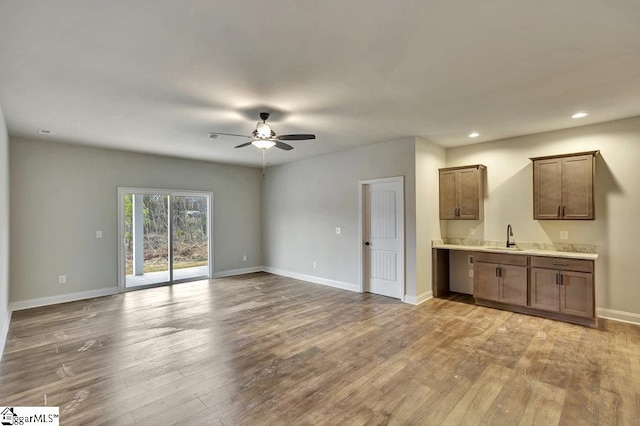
column 522, row 252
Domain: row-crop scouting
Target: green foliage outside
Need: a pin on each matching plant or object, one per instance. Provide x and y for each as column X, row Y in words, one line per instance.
column 190, row 232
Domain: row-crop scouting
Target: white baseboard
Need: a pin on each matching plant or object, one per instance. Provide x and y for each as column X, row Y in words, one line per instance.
column 312, row 279
column 421, row 298
column 241, row 271
column 621, row 316
column 63, row 298
column 4, row 331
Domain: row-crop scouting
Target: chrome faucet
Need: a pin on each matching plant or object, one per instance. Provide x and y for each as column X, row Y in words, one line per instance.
column 510, row 234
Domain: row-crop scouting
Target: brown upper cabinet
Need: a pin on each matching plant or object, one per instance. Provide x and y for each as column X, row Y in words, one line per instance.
column 563, row 186
column 462, row 192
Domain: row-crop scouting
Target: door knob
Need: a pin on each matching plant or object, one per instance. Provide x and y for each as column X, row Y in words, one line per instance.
column 366, row 243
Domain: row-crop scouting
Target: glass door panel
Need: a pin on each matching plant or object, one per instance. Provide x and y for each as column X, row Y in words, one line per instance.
column 190, row 237
column 146, row 218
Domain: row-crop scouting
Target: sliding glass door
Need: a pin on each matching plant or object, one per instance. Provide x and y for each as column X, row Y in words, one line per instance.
column 165, row 236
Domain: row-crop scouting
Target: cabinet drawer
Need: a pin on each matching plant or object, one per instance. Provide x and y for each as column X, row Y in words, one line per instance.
column 500, row 258
column 562, row 264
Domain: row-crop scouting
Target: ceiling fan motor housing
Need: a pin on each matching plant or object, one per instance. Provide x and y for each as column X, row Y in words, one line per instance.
column 259, row 135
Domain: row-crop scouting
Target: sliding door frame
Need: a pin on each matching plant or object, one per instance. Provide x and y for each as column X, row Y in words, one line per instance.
column 122, row 190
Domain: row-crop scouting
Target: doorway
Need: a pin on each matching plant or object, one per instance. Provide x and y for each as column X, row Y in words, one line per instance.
column 166, row 237
column 382, row 225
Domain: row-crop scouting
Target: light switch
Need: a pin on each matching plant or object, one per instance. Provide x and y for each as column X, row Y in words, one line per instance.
column 98, row 234
column 338, row 230
column 564, row 235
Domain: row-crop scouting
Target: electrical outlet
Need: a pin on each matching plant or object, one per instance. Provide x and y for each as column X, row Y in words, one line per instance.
column 470, row 273
column 564, row 235
column 244, row 258
column 98, row 234
column 338, row 230
column 315, row 264
column 472, row 231
column 62, row 279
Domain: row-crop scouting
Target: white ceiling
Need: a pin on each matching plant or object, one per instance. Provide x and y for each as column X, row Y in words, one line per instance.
column 157, row 76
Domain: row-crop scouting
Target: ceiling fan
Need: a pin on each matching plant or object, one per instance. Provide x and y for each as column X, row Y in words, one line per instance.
column 264, row 137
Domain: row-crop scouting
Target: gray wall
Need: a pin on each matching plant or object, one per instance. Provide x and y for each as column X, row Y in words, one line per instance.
column 4, row 229
column 62, row 194
column 615, row 230
column 429, row 158
column 306, row 200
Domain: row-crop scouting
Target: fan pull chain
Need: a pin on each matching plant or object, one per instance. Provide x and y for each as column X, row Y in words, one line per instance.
column 263, row 163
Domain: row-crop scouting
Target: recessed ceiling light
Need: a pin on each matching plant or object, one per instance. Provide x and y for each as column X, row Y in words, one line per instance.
column 474, row 134
column 581, row 114
column 44, row 131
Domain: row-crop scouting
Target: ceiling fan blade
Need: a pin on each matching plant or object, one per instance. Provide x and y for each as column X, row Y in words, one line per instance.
column 228, row 134
column 283, row 145
column 242, row 145
column 295, row 137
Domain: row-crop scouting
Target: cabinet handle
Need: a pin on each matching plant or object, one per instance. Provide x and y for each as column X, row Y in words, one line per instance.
column 563, row 207
column 457, row 212
column 557, row 279
column 560, row 264
column 558, row 215
column 561, row 279
column 497, row 272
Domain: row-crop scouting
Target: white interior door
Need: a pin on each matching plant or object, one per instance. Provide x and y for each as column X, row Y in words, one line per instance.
column 383, row 217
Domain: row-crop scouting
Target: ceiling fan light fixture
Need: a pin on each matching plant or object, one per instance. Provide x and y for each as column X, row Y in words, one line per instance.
column 263, row 143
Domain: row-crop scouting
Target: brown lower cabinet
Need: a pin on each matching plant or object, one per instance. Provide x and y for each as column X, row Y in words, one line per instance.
column 502, row 278
column 558, row 288
column 562, row 285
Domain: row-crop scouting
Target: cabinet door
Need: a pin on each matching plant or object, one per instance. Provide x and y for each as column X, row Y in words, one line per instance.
column 576, row 294
column 468, row 194
column 544, row 290
column 577, row 187
column 448, row 195
column 547, row 188
column 485, row 281
column 513, row 285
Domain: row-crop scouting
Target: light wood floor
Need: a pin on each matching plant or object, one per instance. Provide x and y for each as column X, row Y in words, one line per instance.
column 262, row 349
